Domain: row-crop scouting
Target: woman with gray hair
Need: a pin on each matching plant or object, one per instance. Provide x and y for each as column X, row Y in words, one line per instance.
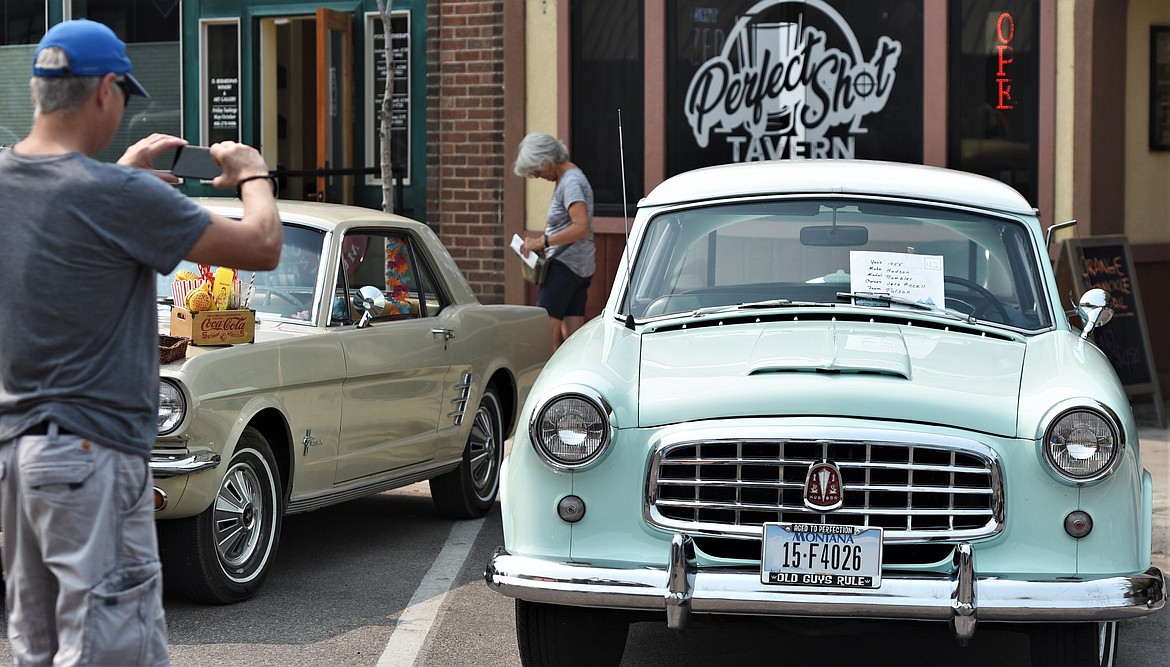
column 567, row 241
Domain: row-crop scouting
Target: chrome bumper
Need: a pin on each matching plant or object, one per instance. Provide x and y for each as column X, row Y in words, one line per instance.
column 173, row 465
column 960, row 598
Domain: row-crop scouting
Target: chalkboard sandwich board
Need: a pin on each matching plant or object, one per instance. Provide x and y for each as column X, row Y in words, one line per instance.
column 1105, row 262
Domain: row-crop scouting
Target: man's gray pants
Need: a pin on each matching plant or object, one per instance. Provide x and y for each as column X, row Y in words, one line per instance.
column 82, row 575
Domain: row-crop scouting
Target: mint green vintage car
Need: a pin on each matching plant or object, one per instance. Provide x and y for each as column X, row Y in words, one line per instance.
column 829, row 389
column 373, row 367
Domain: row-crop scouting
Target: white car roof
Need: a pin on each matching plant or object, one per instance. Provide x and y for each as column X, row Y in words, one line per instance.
column 850, row 177
column 322, row 215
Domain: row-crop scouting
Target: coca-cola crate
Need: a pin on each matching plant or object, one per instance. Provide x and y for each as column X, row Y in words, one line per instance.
column 214, row 327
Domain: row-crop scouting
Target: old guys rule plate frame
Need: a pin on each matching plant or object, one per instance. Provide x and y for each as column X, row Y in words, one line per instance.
column 814, row 554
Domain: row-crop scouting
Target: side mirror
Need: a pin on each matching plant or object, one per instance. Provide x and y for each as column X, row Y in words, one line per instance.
column 1094, row 310
column 1051, row 233
column 371, row 302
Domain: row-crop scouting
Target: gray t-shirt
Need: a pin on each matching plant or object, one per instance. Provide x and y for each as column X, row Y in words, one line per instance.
column 81, row 242
column 580, row 255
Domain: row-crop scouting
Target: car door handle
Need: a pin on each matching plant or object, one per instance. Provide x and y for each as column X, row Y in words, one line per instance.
column 447, row 334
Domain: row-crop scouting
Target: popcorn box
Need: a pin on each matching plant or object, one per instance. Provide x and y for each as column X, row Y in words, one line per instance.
column 214, row 327
column 181, row 288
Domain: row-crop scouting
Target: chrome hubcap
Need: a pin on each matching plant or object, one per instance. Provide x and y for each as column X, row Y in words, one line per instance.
column 239, row 508
column 483, row 450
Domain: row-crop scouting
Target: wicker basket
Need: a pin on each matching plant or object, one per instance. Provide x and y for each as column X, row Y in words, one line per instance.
column 171, row 348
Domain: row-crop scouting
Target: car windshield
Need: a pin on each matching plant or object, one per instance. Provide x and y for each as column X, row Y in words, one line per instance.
column 288, row 291
column 838, row 252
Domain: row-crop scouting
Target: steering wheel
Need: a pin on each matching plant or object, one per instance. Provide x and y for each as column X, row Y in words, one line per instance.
column 281, row 294
column 988, row 300
column 658, row 306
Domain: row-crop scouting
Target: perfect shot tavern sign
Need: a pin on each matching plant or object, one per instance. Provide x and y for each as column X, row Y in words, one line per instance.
column 796, row 79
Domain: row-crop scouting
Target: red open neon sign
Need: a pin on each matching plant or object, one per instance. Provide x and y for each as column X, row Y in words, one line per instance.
column 1005, row 31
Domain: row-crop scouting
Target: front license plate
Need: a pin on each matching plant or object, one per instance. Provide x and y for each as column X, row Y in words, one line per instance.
column 813, row 554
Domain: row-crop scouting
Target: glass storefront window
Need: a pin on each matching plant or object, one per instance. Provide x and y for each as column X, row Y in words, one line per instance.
column 22, row 24
column 994, row 74
column 134, row 21
column 151, row 31
column 607, row 75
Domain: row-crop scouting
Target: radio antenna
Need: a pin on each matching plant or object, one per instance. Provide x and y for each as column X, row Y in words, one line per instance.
column 626, row 224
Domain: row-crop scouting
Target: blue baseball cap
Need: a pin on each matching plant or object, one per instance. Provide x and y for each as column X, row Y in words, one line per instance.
column 92, row 49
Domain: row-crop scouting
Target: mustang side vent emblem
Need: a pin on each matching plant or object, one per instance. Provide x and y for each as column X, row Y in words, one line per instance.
column 309, row 441
column 462, row 393
column 822, row 487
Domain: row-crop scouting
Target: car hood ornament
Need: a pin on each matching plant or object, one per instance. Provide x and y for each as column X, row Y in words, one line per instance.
column 823, row 491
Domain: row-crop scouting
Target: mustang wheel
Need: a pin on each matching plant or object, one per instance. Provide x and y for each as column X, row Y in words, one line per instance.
column 222, row 555
column 1074, row 645
column 469, row 491
column 549, row 634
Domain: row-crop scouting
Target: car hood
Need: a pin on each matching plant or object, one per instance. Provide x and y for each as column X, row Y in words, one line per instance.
column 266, row 331
column 866, row 370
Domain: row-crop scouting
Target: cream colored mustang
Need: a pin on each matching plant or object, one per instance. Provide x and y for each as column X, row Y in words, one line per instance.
column 374, row 366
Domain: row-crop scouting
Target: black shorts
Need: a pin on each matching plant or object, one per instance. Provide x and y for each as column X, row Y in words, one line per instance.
column 563, row 292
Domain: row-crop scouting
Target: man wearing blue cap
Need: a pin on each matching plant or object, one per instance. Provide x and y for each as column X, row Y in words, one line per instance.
column 81, row 243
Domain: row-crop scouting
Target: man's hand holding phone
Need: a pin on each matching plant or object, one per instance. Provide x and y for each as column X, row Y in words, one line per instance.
column 143, row 152
column 240, row 163
column 227, row 164
column 224, row 163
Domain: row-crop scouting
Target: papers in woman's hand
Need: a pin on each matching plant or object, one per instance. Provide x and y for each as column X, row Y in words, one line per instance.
column 530, row 259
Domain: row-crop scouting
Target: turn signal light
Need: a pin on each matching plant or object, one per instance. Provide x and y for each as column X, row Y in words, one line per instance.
column 571, row 509
column 1078, row 524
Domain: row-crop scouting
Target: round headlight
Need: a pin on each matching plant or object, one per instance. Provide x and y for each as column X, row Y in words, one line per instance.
column 172, row 406
column 571, row 430
column 1082, row 445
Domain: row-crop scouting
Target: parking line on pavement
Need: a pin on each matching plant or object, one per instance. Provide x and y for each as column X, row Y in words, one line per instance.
column 414, row 624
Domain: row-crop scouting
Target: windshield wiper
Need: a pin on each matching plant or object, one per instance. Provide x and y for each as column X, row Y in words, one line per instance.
column 890, row 299
column 734, row 307
column 757, row 305
column 781, row 303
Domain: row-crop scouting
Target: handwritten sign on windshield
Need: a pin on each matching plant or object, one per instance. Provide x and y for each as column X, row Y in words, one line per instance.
column 903, row 276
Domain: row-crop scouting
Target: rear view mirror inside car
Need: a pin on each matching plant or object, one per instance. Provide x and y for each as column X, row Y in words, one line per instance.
column 834, row 235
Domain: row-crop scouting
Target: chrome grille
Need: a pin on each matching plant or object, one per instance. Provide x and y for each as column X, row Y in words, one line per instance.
column 915, row 491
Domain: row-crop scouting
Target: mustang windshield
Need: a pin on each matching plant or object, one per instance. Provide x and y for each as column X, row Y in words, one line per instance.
column 839, row 251
column 288, row 291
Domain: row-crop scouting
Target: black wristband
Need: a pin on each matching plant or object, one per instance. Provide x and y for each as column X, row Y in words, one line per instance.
column 546, row 239
column 240, row 183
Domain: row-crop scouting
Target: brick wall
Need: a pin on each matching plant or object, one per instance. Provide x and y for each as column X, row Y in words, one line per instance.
column 465, row 137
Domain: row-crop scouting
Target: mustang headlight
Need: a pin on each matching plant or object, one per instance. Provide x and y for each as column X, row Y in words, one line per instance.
column 1082, row 445
column 172, row 407
column 572, row 428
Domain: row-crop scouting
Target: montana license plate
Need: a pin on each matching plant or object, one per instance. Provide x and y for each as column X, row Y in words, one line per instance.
column 813, row 554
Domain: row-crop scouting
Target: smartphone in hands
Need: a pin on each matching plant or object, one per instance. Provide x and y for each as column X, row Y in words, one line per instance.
column 195, row 162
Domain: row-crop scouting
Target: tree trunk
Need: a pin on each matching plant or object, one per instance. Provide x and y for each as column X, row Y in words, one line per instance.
column 384, row 8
